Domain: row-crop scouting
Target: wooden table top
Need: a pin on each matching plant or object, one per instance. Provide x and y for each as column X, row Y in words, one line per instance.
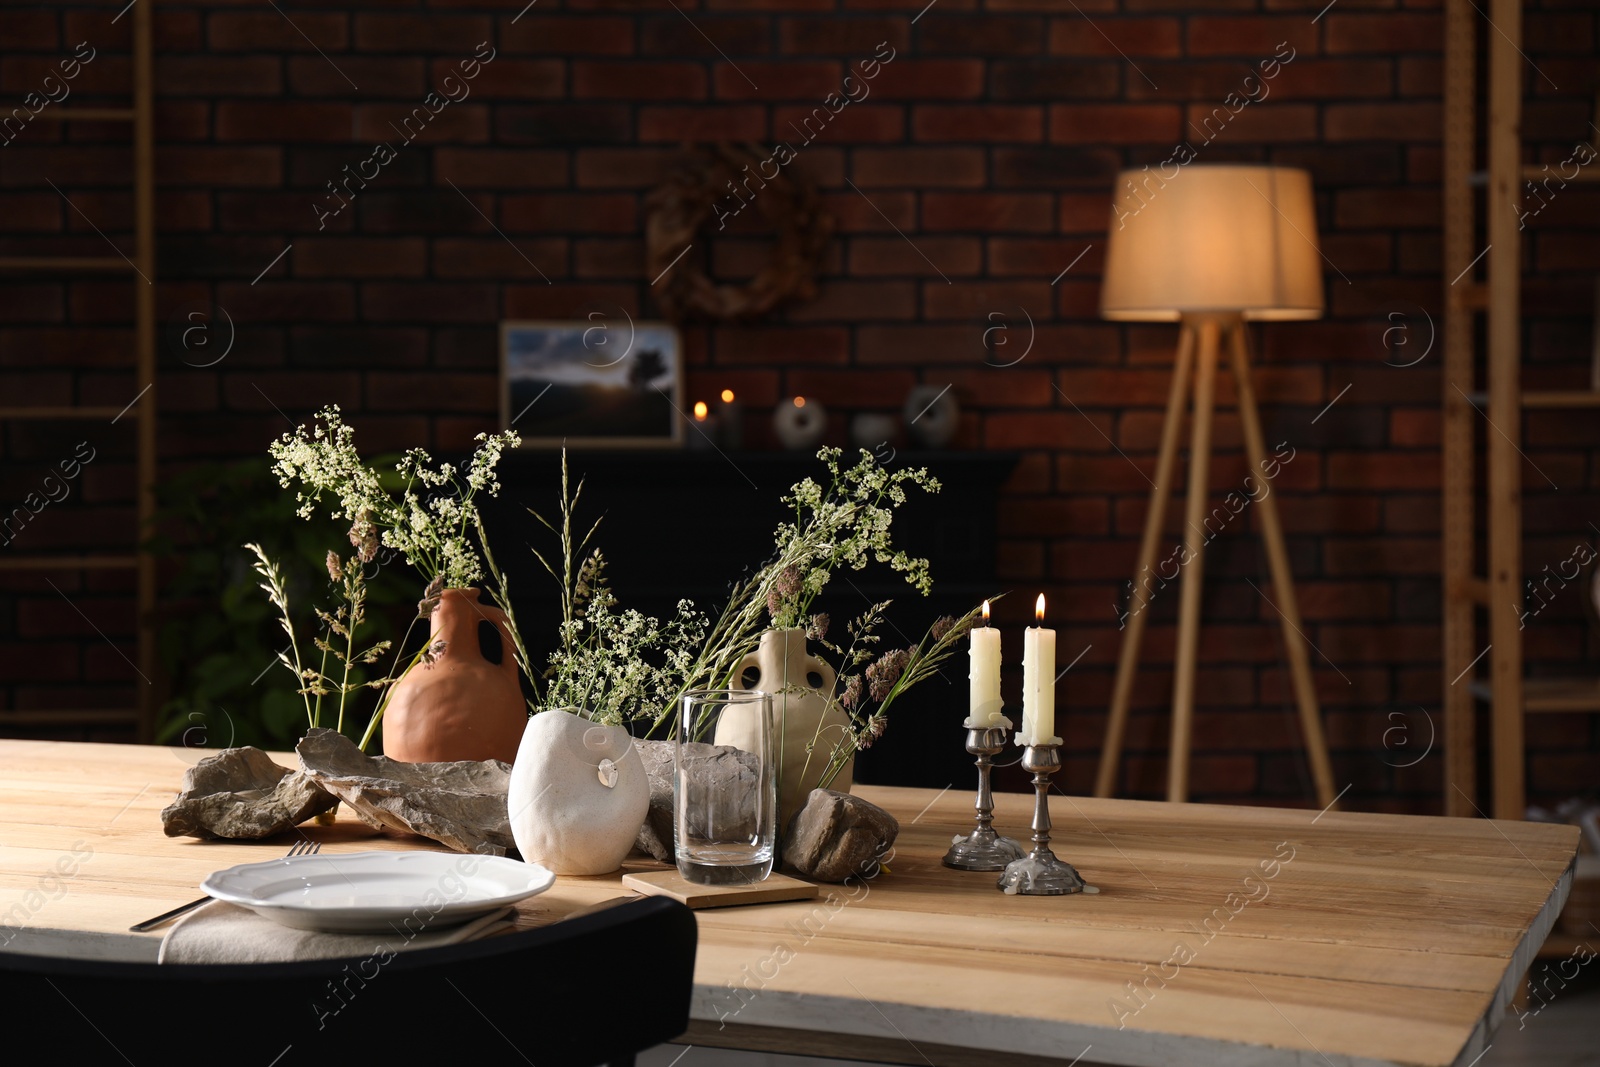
column 1220, row 935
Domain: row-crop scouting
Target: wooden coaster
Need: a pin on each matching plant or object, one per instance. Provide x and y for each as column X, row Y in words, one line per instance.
column 670, row 883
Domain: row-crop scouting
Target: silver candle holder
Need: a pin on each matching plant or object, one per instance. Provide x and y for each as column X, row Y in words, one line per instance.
column 1040, row 873
column 983, row 849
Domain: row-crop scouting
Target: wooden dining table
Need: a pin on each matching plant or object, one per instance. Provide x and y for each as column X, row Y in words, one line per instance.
column 1213, row 935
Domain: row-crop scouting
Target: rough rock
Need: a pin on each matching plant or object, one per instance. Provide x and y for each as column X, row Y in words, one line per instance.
column 462, row 805
column 731, row 772
column 240, row 794
column 836, row 836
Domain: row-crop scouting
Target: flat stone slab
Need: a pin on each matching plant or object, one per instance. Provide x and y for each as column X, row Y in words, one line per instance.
column 461, row 804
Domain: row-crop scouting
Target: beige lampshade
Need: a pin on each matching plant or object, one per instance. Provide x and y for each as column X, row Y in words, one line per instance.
column 1213, row 238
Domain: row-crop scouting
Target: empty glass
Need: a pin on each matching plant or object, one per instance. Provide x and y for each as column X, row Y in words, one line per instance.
column 725, row 787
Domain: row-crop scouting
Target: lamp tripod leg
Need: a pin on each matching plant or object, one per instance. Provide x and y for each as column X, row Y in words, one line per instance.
column 1194, row 576
column 1144, row 575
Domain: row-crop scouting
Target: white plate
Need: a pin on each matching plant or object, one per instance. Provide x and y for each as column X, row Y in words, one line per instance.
column 378, row 891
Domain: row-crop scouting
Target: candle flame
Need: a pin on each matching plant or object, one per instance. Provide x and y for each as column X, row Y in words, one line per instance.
column 700, row 409
column 1038, row 608
column 986, row 613
column 799, row 401
column 727, row 396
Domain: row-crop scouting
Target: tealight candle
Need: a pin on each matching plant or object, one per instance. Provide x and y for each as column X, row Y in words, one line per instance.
column 1038, row 683
column 985, row 703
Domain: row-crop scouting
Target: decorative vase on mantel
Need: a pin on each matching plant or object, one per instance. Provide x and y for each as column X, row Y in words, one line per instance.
column 810, row 725
column 466, row 704
column 578, row 794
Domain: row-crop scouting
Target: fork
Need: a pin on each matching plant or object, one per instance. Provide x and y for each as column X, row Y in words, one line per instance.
column 299, row 848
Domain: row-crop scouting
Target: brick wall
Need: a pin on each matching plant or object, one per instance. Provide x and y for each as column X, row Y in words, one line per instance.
column 974, row 174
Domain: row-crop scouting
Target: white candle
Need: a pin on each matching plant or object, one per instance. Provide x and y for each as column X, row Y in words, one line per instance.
column 1038, row 683
column 985, row 705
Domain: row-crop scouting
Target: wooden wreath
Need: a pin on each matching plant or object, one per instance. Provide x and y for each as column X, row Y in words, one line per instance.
column 711, row 184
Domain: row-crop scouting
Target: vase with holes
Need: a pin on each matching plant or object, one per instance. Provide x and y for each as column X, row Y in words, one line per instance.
column 463, row 700
column 578, row 795
column 811, row 728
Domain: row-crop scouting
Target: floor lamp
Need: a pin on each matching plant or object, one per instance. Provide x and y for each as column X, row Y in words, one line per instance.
column 1211, row 248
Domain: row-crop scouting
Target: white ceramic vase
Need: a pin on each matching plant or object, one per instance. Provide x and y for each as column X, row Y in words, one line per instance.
column 578, row 794
column 809, row 725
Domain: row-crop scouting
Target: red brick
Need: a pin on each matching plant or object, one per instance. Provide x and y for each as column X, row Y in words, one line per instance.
column 197, row 166
column 431, row 34
column 1254, row 37
column 29, row 30
column 1271, row 123
column 1052, row 80
column 953, row 256
column 279, row 122
column 680, row 124
column 1385, row 33
column 1047, row 257
column 752, row 388
column 778, row 346
column 570, row 212
column 605, row 257
column 1056, row 167
column 853, row 301
column 261, row 31
column 712, row 38
column 916, row 344
column 1034, row 516
column 987, row 212
column 354, row 257
column 504, row 167
column 1048, row 429
column 974, row 301
column 623, row 168
column 540, row 301
column 504, row 79
column 455, row 391
column 1073, row 35
column 399, row 124
column 611, row 80
column 929, row 79
column 854, row 213
column 977, row 122
column 918, row 168
column 1004, row 387
column 568, row 35
column 1332, row 79
column 564, row 123
column 778, row 80
column 278, row 301
column 429, row 302
column 850, row 389
column 855, row 38
column 1115, row 124
column 983, row 35
column 1383, row 122
column 377, row 75
column 1388, row 206
column 857, row 123
column 219, row 75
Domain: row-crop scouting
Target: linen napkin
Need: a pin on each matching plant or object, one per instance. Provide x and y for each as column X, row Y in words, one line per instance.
column 226, row 933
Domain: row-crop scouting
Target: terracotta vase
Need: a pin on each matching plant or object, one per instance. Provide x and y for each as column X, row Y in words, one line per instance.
column 579, row 794
column 810, row 726
column 467, row 704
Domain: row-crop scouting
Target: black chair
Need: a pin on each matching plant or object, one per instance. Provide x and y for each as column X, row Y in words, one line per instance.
column 595, row 988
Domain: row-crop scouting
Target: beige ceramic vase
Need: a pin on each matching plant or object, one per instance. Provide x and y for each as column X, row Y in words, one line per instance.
column 809, row 725
column 467, row 704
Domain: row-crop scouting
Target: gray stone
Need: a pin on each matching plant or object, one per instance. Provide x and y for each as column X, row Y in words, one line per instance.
column 240, row 794
column 461, row 804
column 729, row 777
column 837, row 836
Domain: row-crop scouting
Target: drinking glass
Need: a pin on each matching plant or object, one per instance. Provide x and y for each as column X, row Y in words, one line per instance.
column 725, row 787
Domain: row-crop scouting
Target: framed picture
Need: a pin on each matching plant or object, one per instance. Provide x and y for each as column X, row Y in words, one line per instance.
column 591, row 384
